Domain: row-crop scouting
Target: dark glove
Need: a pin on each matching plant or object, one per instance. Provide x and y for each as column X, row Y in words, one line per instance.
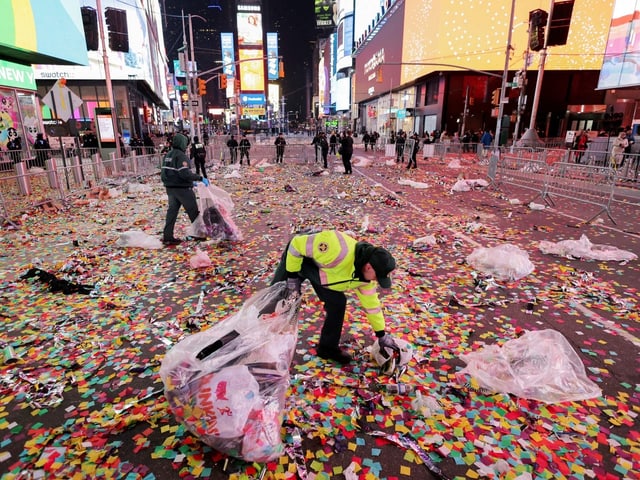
column 294, row 285
column 387, row 342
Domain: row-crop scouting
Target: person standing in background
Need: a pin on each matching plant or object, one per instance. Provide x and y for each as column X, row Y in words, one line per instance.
column 245, row 146
column 280, row 144
column 346, row 151
column 232, row 144
column 199, row 156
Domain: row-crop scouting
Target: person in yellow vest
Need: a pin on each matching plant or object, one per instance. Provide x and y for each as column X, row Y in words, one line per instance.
column 334, row 263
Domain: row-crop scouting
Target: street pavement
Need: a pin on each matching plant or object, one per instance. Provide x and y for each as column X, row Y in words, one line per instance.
column 83, row 398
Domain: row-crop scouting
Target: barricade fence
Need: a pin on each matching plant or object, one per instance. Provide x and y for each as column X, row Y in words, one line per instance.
column 28, row 184
column 548, row 174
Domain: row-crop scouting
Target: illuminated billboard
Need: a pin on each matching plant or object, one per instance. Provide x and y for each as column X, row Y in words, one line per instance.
column 444, row 37
column 228, row 54
column 273, row 64
column 444, row 33
column 251, row 67
column 43, row 32
column 249, row 29
column 145, row 59
column 621, row 64
column 326, row 13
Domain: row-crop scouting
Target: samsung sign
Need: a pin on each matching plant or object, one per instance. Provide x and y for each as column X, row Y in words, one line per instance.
column 252, row 99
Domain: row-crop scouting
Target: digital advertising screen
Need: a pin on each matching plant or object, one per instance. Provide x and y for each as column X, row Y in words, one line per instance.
column 228, row 54
column 251, row 67
column 249, row 29
column 621, row 64
column 141, row 62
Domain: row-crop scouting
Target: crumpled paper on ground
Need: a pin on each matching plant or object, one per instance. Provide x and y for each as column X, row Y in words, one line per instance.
column 586, row 250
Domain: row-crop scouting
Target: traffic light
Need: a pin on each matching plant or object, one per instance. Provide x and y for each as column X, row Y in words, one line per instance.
column 202, row 87
column 90, row 25
column 116, row 20
column 222, row 81
column 495, row 97
column 537, row 25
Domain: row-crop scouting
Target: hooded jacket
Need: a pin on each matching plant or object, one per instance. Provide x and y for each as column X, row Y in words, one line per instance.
column 176, row 171
column 334, row 260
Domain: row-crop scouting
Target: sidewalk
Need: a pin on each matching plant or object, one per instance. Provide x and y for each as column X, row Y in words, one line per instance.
column 85, row 400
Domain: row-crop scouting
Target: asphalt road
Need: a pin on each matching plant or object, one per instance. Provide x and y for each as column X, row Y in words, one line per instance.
column 83, row 398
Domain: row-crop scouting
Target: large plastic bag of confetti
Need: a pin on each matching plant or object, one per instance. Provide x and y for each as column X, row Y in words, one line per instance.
column 586, row 250
column 227, row 384
column 504, row 262
column 216, row 215
column 540, row 365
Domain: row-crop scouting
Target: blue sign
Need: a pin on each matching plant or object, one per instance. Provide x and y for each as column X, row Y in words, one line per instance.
column 273, row 67
column 228, row 54
column 252, row 99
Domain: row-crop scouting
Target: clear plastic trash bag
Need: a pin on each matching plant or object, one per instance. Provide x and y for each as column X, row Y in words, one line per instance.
column 540, row 365
column 228, row 384
column 504, row 262
column 216, row 215
column 586, row 250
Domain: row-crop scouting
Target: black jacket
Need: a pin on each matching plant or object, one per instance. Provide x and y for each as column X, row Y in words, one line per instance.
column 176, row 171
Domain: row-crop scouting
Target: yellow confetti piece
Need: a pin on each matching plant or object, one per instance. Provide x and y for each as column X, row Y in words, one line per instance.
column 404, row 470
column 472, row 474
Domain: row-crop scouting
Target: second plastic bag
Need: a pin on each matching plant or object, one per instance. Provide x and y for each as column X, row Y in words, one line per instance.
column 227, row 384
column 540, row 365
column 216, row 215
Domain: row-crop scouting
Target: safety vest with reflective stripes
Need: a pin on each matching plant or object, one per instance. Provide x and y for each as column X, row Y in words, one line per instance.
column 334, row 254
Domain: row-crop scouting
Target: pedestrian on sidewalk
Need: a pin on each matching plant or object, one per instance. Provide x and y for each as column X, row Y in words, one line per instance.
column 335, row 263
column 178, row 180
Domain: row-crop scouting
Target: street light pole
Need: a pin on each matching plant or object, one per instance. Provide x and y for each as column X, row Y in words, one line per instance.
column 505, row 73
column 188, row 73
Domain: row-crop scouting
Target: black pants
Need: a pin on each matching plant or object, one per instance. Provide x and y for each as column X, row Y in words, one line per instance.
column 324, row 158
column 335, row 303
column 199, row 162
column 178, row 197
column 244, row 153
column 346, row 161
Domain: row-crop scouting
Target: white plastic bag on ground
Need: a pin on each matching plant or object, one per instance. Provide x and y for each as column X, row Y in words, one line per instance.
column 586, row 250
column 540, row 365
column 139, row 239
column 504, row 262
column 228, row 384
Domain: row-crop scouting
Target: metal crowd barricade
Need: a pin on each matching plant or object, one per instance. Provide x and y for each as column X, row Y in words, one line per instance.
column 583, row 183
column 520, row 168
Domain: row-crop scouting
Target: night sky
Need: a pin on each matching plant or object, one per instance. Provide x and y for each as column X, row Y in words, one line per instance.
column 292, row 20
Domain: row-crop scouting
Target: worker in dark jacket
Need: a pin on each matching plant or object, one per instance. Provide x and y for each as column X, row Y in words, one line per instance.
column 178, row 179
